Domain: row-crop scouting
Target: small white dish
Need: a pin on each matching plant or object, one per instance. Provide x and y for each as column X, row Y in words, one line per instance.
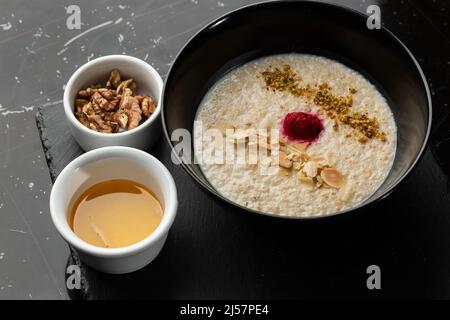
column 105, row 164
column 97, row 71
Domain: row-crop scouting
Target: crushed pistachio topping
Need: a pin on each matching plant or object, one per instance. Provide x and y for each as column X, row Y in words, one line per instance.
column 337, row 108
column 281, row 80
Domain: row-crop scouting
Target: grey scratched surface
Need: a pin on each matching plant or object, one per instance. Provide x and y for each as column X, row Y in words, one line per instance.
column 35, row 63
column 37, row 56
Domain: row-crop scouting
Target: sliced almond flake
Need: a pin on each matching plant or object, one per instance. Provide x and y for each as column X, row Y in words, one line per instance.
column 304, row 157
column 284, row 162
column 293, row 156
column 346, row 192
column 297, row 166
column 300, row 146
column 306, row 181
column 310, row 168
column 332, row 177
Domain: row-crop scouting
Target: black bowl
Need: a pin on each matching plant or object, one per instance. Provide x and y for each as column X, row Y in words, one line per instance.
column 303, row 27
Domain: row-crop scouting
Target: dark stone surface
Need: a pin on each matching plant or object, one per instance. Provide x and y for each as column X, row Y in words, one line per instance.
column 216, row 251
column 408, row 236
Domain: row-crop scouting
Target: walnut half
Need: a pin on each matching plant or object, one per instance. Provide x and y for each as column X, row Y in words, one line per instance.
column 114, row 107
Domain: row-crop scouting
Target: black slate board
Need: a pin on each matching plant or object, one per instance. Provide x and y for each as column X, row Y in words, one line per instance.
column 215, row 251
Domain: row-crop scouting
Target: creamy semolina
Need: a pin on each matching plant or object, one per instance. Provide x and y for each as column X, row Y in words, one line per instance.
column 241, row 98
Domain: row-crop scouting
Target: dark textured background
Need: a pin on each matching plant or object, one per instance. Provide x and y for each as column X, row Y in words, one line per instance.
column 213, row 251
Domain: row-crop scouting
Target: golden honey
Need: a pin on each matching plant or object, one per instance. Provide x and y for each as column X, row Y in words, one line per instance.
column 115, row 213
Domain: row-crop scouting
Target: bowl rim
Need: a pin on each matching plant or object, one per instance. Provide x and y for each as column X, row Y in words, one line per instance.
column 170, row 208
column 69, row 105
column 346, row 212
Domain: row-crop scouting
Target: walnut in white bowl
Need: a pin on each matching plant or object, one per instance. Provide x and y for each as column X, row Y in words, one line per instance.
column 124, row 110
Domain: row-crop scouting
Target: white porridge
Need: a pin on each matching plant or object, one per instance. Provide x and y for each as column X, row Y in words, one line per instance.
column 349, row 128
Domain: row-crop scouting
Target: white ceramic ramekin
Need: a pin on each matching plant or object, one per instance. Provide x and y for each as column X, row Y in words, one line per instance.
column 105, row 164
column 97, row 71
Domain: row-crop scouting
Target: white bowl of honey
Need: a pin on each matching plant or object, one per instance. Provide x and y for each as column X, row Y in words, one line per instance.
column 115, row 206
